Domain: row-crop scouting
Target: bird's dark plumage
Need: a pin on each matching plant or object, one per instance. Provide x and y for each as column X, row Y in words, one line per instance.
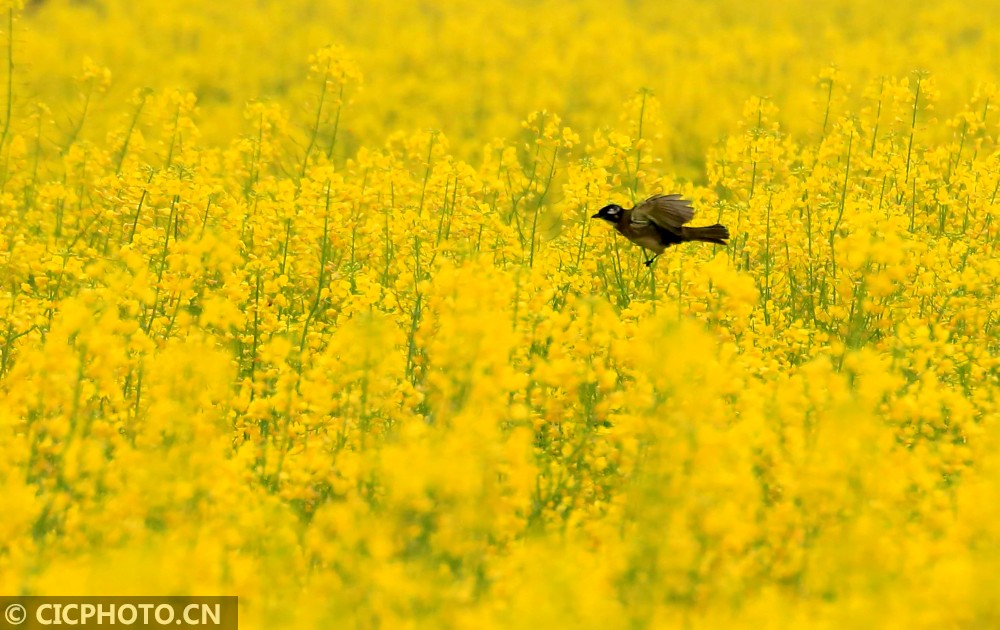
column 659, row 222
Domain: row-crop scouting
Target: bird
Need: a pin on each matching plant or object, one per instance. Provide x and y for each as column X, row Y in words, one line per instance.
column 659, row 222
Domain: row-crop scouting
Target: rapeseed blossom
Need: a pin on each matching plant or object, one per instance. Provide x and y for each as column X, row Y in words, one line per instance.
column 301, row 302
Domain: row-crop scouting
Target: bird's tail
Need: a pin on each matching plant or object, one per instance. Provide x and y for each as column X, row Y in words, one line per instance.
column 717, row 234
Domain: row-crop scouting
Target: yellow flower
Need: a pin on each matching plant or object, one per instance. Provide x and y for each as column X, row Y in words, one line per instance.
column 273, row 335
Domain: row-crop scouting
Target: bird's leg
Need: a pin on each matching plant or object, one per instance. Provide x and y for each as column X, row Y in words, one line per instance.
column 650, row 261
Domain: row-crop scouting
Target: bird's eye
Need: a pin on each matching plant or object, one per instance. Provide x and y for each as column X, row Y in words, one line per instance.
column 613, row 210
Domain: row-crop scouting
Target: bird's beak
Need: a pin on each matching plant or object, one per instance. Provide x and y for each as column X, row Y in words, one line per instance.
column 596, row 216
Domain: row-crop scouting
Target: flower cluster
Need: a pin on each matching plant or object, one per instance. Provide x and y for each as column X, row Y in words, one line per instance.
column 361, row 357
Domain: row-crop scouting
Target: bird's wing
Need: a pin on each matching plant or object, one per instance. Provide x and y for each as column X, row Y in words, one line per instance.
column 667, row 211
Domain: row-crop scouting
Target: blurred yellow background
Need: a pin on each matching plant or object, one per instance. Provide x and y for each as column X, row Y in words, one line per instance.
column 301, row 302
column 474, row 70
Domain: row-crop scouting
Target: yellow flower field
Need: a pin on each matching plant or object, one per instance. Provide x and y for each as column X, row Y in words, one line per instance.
column 300, row 301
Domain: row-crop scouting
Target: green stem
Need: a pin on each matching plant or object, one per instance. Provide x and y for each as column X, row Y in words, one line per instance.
column 840, row 216
column 315, row 129
column 83, row 115
column 324, row 253
column 913, row 126
column 826, row 116
column 427, row 172
column 538, row 207
column 128, row 136
column 878, row 117
column 336, row 122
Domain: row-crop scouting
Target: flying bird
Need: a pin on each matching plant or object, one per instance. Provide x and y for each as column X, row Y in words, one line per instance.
column 659, row 222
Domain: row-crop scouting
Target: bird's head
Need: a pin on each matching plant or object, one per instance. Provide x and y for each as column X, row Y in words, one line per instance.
column 610, row 213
